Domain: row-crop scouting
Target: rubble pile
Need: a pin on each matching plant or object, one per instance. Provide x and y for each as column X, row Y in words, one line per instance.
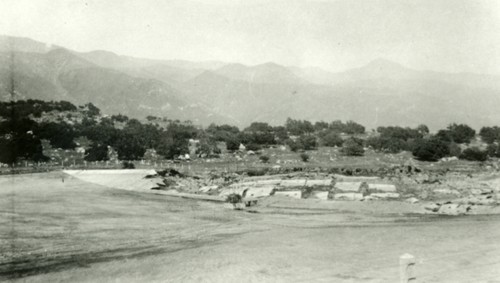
column 209, row 184
column 438, row 192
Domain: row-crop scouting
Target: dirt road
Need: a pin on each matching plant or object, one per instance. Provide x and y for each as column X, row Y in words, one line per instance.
column 79, row 232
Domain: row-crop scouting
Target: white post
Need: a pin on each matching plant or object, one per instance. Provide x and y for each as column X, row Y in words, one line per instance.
column 407, row 269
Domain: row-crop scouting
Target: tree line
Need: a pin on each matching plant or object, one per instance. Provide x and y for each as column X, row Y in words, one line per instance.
column 23, row 127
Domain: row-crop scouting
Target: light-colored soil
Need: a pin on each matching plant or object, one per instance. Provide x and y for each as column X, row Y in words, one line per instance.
column 73, row 231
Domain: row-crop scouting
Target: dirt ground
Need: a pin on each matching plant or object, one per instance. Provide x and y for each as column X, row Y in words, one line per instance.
column 72, row 231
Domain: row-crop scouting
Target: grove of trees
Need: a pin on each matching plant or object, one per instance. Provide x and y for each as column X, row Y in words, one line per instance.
column 23, row 126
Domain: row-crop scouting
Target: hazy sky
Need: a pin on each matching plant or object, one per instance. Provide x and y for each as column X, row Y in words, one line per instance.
column 448, row 35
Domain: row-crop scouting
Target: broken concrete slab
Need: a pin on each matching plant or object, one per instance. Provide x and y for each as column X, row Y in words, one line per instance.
column 411, row 200
column 292, row 194
column 384, row 188
column 385, row 195
column 348, row 196
column 321, row 195
column 434, row 207
column 453, row 209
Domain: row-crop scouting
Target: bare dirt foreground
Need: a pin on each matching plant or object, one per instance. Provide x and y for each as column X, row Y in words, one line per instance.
column 73, row 231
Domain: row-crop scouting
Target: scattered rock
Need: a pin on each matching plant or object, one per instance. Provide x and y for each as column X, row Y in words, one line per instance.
column 476, row 191
column 446, row 192
column 292, row 194
column 412, row 200
column 348, row 196
column 385, row 188
column 206, row 189
column 321, row 195
column 385, row 195
column 434, row 207
column 453, row 209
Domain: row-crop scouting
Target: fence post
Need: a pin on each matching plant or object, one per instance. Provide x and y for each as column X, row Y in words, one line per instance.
column 407, row 269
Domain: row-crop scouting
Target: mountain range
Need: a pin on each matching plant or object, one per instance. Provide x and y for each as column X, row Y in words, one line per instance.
column 379, row 93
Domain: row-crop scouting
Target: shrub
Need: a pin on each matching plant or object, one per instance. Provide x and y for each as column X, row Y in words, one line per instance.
column 430, row 149
column 304, row 156
column 455, row 149
column 253, row 146
column 493, row 150
column 256, row 172
column 233, row 198
column 264, row 158
column 457, row 133
column 490, row 134
column 305, row 142
column 331, row 139
column 387, row 144
column 474, row 154
column 294, row 146
column 353, row 147
column 97, row 152
column 308, row 142
column 128, row 165
column 232, row 144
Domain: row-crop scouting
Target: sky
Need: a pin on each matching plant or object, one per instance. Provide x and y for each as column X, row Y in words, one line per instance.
column 439, row 35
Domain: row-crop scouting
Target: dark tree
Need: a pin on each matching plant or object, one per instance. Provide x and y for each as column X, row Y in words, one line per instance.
column 331, row 139
column 298, row 127
column 455, row 149
column 352, row 127
column 232, row 144
column 493, row 150
column 320, row 126
column 175, row 140
column 119, row 118
column 129, row 146
column 490, row 134
column 353, row 147
column 222, row 133
column 294, row 145
column 92, row 110
column 457, row 133
column 423, row 129
column 97, row 152
column 308, row 142
column 264, row 158
column 304, row 156
column 19, row 140
column 60, row 135
column 474, row 154
column 281, row 134
column 387, row 144
column 430, row 149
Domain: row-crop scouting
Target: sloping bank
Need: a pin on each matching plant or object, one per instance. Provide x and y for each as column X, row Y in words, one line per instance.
column 133, row 180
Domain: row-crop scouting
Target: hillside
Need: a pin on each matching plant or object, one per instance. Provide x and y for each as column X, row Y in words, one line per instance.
column 379, row 93
column 60, row 74
column 268, row 73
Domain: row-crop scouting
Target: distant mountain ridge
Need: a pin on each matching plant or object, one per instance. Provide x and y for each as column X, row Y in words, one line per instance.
column 379, row 93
